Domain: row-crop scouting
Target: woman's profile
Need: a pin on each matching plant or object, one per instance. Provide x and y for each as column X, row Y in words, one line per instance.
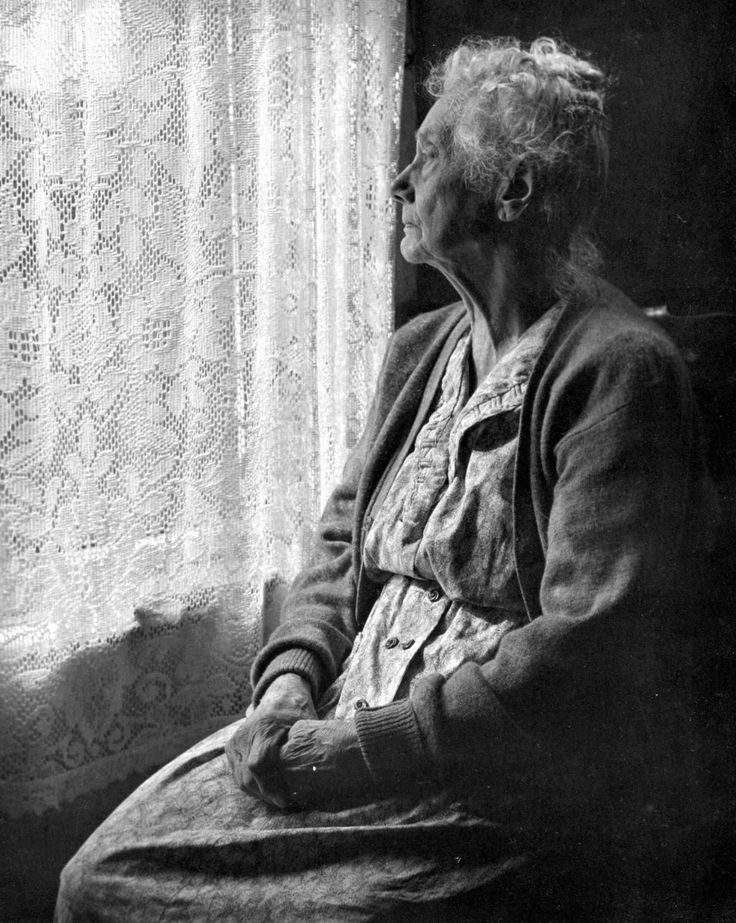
column 474, row 707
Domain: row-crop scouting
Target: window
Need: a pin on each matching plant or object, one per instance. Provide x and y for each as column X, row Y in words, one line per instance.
column 195, row 283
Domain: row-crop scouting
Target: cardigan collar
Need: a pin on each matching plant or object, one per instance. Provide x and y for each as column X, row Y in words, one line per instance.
column 502, row 390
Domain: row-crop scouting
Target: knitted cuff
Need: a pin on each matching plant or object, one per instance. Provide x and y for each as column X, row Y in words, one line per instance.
column 296, row 660
column 392, row 745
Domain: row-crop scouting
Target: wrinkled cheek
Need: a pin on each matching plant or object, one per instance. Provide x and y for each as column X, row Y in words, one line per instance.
column 441, row 231
column 451, row 231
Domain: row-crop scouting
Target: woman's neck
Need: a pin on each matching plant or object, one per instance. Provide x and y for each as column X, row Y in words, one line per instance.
column 503, row 297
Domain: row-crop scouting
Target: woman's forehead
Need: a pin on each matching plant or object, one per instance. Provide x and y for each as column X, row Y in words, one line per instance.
column 435, row 123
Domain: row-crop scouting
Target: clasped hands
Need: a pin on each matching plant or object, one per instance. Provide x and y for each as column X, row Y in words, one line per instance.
column 284, row 755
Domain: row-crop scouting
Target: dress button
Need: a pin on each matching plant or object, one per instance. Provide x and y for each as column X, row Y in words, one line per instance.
column 391, row 642
column 434, row 594
column 407, row 644
column 360, row 704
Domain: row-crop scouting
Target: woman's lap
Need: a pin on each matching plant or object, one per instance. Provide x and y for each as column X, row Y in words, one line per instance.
column 189, row 845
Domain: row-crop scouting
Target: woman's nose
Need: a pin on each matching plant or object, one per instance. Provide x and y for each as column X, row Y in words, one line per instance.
column 401, row 188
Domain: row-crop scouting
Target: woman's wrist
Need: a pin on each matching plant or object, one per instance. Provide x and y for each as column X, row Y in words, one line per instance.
column 298, row 661
column 290, row 687
column 350, row 762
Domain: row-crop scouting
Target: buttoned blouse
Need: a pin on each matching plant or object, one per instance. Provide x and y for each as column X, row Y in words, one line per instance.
column 441, row 542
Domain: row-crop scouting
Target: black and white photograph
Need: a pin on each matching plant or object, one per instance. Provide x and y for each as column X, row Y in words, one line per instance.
column 367, row 461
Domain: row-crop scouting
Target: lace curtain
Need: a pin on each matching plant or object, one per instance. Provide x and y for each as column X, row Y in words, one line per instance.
column 195, row 283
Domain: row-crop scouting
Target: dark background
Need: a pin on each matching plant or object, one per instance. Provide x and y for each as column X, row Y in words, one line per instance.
column 668, row 223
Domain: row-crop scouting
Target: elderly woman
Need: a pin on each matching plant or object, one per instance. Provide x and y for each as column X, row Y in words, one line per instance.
column 472, row 707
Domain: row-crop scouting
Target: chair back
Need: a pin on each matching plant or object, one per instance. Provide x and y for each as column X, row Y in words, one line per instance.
column 708, row 345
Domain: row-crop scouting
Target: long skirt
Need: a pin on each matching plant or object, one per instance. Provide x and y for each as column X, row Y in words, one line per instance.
column 188, row 845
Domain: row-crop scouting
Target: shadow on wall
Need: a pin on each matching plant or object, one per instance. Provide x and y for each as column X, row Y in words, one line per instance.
column 668, row 223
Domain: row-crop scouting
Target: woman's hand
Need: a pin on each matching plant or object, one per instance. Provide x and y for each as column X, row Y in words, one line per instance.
column 253, row 750
column 321, row 761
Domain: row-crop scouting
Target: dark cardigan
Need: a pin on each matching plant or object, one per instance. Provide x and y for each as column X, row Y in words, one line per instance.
column 612, row 506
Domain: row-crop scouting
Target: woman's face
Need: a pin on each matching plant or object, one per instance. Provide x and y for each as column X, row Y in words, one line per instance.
column 444, row 222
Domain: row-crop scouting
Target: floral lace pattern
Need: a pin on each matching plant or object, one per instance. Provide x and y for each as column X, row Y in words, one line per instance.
column 195, row 287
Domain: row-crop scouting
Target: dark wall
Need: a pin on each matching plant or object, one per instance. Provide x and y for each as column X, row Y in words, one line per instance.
column 668, row 223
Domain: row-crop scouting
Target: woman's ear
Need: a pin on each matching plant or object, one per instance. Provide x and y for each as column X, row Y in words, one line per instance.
column 514, row 194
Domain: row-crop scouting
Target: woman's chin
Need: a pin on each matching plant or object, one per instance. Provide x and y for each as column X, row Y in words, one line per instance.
column 411, row 248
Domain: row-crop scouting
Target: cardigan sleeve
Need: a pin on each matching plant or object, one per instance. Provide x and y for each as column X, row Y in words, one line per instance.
column 320, row 625
column 620, row 443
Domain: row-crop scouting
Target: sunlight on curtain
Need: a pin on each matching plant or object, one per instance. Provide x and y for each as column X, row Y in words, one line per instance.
column 195, row 286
